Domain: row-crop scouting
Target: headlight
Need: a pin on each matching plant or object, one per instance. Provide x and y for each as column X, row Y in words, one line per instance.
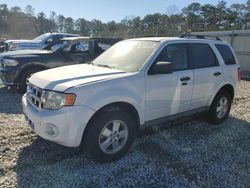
column 55, row 100
column 9, row 63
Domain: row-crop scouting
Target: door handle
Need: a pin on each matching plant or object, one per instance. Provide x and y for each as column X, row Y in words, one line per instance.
column 217, row 73
column 186, row 78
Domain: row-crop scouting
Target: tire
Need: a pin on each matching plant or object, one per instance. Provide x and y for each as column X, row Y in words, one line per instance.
column 25, row 76
column 220, row 108
column 104, row 141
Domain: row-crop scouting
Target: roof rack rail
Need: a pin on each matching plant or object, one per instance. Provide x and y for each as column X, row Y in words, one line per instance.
column 189, row 35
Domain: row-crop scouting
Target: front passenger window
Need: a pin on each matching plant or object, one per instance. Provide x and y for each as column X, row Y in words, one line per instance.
column 176, row 54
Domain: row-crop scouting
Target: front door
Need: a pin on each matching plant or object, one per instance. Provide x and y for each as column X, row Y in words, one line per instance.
column 168, row 94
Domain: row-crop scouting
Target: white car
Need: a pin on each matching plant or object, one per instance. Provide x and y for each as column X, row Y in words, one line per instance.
column 138, row 82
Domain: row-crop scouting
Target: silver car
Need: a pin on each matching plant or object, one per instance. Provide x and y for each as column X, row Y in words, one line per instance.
column 38, row 43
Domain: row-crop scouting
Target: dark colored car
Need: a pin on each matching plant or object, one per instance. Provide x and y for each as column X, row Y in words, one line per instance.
column 17, row 66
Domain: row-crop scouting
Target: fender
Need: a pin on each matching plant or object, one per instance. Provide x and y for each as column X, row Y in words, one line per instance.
column 120, row 90
column 29, row 65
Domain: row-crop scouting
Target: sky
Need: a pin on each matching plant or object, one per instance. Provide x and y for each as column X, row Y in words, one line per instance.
column 106, row 10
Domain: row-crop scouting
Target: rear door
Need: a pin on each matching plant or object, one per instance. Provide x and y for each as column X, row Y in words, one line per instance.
column 230, row 67
column 208, row 75
column 168, row 94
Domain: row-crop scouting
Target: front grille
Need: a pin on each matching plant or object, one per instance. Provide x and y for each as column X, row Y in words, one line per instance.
column 34, row 96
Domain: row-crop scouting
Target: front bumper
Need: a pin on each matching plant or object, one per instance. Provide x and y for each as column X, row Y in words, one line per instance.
column 68, row 123
column 7, row 77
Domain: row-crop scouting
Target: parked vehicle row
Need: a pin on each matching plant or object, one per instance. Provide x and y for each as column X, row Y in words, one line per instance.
column 101, row 106
column 17, row 66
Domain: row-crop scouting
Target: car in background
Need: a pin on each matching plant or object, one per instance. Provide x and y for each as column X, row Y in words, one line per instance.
column 17, row 66
column 39, row 42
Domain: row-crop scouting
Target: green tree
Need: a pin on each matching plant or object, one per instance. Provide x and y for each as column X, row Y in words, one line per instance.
column 69, row 25
column 193, row 16
column 247, row 16
column 15, row 10
column 41, row 22
column 82, row 26
column 221, row 13
column 111, row 26
column 209, row 17
column 29, row 10
column 61, row 23
column 53, row 26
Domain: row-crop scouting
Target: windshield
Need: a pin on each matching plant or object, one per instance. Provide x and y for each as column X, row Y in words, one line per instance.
column 128, row 56
column 41, row 37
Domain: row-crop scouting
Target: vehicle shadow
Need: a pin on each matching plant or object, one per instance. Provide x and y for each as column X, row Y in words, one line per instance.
column 192, row 153
column 10, row 101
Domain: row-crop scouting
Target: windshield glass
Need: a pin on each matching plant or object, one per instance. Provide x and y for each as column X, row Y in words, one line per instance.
column 41, row 37
column 128, row 56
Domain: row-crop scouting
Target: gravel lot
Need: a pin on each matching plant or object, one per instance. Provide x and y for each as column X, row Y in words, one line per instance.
column 187, row 154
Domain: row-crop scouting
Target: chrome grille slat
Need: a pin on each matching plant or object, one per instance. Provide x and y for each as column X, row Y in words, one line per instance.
column 34, row 96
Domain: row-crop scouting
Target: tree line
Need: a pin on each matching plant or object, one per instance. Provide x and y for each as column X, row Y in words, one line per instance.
column 24, row 23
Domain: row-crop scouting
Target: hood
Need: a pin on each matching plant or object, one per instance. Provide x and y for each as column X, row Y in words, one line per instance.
column 63, row 78
column 20, row 41
column 24, row 52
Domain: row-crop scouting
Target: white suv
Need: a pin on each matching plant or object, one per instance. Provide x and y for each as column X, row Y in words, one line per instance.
column 100, row 106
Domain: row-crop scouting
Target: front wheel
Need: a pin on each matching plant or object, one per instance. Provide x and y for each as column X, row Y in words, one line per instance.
column 220, row 108
column 110, row 135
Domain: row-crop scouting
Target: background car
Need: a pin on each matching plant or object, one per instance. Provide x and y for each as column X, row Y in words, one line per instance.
column 17, row 66
column 39, row 42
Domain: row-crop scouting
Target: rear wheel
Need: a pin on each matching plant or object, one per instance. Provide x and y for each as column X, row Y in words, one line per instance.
column 220, row 108
column 110, row 135
column 25, row 76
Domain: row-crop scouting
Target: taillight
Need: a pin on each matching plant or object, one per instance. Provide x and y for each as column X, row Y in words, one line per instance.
column 239, row 76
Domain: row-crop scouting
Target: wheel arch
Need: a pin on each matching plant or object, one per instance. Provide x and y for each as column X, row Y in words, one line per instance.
column 113, row 107
column 228, row 88
column 27, row 67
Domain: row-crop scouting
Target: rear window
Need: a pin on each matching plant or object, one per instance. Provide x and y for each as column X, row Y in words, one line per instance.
column 202, row 56
column 226, row 54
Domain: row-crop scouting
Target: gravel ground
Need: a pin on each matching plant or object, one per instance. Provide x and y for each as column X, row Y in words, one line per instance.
column 187, row 154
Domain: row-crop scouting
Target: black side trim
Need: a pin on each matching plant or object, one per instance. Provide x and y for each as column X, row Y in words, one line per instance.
column 174, row 117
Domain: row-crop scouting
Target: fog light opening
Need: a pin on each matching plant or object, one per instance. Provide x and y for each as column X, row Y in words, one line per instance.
column 51, row 130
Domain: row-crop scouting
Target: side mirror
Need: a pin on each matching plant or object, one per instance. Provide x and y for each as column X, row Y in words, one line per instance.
column 161, row 67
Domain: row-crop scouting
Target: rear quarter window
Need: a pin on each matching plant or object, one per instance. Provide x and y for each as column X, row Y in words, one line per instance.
column 226, row 54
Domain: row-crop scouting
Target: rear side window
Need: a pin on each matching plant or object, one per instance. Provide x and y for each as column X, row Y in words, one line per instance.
column 176, row 54
column 226, row 54
column 202, row 56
